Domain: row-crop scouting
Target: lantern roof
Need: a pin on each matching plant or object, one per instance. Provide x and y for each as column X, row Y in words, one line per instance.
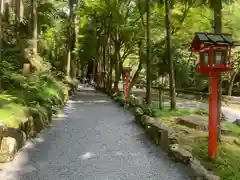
column 127, row 69
column 211, row 39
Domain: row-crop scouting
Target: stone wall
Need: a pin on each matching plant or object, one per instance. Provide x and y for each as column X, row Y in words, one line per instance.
column 13, row 139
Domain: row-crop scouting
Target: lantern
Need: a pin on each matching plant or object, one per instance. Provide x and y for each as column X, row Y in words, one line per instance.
column 214, row 51
column 214, row 57
column 127, row 70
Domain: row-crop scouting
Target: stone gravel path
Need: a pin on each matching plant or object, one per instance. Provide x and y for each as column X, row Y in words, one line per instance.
column 94, row 140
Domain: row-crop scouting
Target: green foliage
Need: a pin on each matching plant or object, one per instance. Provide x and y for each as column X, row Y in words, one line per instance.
column 228, row 162
column 42, row 89
column 165, row 112
column 233, row 128
column 12, row 114
column 35, row 91
column 121, row 97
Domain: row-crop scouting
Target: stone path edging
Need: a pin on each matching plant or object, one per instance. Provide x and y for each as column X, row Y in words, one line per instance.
column 161, row 135
column 14, row 139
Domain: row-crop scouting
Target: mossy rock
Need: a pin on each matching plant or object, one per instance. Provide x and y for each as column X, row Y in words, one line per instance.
column 147, row 110
column 16, row 134
column 3, row 127
column 37, row 122
column 138, row 113
column 121, row 102
column 179, row 154
column 8, row 149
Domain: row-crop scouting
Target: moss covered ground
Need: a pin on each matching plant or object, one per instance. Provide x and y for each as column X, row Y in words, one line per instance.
column 227, row 164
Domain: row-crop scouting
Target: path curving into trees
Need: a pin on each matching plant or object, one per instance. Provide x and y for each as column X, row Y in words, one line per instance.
column 94, row 140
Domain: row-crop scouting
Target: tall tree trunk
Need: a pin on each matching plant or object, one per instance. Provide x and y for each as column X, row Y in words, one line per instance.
column 76, row 28
column 20, row 34
column 6, row 11
column 116, row 76
column 110, row 73
column 94, row 70
column 82, row 72
column 169, row 55
column 107, row 57
column 231, row 82
column 1, row 37
column 99, row 70
column 1, row 24
column 136, row 74
column 30, row 24
column 34, row 25
column 149, row 54
column 104, row 62
column 70, row 43
column 120, row 71
column 217, row 7
column 98, row 60
column 19, row 16
column 117, row 64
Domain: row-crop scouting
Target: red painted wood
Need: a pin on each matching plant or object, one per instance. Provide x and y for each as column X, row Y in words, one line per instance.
column 213, row 69
column 198, row 47
column 212, row 122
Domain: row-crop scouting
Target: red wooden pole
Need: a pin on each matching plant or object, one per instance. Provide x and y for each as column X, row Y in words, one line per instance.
column 212, row 121
column 126, row 85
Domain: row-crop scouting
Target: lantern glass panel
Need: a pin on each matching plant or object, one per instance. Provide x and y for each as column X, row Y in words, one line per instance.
column 205, row 58
column 219, row 57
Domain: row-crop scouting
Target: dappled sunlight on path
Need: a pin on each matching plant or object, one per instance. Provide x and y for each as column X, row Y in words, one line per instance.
column 93, row 139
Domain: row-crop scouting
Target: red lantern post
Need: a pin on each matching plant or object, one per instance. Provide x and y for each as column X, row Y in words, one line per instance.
column 126, row 72
column 214, row 51
column 213, row 110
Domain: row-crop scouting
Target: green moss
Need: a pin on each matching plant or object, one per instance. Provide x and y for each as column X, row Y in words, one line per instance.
column 121, row 97
column 233, row 127
column 165, row 112
column 38, row 91
column 227, row 164
column 13, row 114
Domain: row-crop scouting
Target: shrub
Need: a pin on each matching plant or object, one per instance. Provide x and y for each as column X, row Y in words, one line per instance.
column 35, row 92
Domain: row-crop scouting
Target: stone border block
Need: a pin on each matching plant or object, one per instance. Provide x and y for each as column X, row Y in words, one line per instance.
column 178, row 154
column 161, row 136
column 138, row 113
column 13, row 139
column 158, row 132
column 198, row 172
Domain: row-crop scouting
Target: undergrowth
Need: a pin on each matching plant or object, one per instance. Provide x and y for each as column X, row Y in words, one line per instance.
column 166, row 112
column 227, row 164
column 24, row 96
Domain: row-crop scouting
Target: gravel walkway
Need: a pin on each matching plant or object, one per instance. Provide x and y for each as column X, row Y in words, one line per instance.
column 94, row 140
